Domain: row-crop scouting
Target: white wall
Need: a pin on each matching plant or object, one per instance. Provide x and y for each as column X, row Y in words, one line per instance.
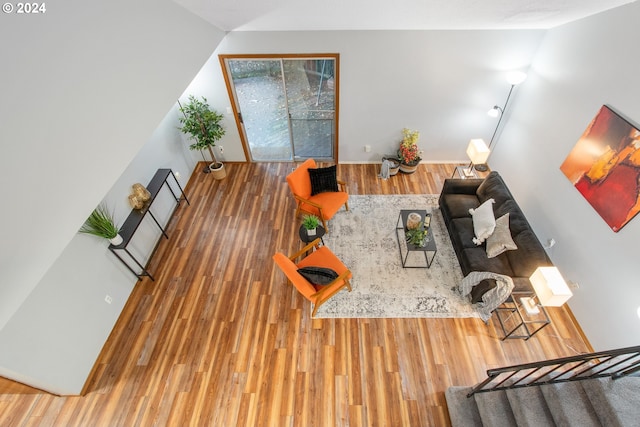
column 83, row 88
column 439, row 82
column 55, row 336
column 580, row 67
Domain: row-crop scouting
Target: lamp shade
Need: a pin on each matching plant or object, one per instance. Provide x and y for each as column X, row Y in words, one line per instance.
column 516, row 77
column 550, row 287
column 494, row 112
column 478, row 151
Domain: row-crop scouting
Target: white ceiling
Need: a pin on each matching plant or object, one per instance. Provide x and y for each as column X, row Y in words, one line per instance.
column 308, row 15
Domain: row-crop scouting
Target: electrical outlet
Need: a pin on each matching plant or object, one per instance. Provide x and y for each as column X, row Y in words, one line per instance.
column 108, row 299
column 221, row 149
column 550, row 243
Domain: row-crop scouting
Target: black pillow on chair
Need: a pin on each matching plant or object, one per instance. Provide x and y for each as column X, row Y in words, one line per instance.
column 318, row 275
column 323, row 180
column 482, row 288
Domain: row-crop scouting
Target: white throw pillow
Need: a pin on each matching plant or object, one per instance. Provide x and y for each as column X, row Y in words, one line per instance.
column 484, row 222
column 500, row 241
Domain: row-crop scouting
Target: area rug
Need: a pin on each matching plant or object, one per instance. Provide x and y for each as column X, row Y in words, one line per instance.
column 364, row 239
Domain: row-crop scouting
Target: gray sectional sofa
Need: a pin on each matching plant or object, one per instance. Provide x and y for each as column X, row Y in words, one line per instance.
column 460, row 195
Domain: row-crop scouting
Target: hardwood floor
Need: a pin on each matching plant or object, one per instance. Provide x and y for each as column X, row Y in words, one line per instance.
column 220, row 339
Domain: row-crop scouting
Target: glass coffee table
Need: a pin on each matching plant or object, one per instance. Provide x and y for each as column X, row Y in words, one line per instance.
column 407, row 248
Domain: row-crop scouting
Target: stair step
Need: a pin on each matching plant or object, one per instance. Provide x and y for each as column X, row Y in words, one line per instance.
column 617, row 402
column 463, row 410
column 529, row 407
column 494, row 409
column 569, row 405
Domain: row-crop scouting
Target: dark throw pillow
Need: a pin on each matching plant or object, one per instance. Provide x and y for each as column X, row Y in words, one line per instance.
column 318, row 275
column 323, row 180
column 480, row 289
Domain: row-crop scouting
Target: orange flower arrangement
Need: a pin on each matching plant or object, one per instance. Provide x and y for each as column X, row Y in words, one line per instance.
column 409, row 154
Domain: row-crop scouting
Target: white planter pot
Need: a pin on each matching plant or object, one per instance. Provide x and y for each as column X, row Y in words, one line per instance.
column 311, row 232
column 116, row 240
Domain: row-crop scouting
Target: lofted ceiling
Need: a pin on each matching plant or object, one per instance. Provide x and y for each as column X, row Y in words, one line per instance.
column 307, row 15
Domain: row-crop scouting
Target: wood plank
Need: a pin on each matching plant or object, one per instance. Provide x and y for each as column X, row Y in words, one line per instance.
column 220, row 338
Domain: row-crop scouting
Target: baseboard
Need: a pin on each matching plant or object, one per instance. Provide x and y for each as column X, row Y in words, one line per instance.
column 578, row 327
column 426, row 162
column 354, row 162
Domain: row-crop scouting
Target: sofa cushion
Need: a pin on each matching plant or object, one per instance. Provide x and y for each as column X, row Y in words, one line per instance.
column 529, row 256
column 493, row 187
column 484, row 222
column 508, row 206
column 475, row 259
column 463, row 232
column 517, row 221
column 500, row 241
column 330, row 202
column 458, row 205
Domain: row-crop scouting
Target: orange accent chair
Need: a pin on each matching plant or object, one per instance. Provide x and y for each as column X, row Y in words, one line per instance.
column 322, row 205
column 320, row 257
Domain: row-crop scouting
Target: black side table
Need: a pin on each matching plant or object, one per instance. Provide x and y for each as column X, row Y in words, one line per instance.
column 464, row 172
column 320, row 231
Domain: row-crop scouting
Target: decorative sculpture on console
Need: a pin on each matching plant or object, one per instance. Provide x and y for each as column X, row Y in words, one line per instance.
column 139, row 196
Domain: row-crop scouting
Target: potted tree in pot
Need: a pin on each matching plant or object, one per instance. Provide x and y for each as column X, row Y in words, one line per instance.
column 203, row 124
column 101, row 223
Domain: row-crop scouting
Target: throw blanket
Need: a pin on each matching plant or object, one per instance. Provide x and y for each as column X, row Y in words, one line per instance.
column 384, row 169
column 493, row 298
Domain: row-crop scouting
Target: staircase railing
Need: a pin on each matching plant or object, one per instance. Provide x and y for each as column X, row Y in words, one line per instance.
column 613, row 363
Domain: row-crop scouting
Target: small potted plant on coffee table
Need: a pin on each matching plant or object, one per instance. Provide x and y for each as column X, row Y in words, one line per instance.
column 417, row 236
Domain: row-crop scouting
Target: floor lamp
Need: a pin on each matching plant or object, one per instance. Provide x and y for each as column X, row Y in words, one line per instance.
column 514, row 78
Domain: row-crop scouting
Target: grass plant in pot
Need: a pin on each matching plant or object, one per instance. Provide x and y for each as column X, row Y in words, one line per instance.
column 310, row 223
column 101, row 223
column 203, row 124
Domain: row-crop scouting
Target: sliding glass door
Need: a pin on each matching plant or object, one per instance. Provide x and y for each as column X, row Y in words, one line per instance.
column 285, row 106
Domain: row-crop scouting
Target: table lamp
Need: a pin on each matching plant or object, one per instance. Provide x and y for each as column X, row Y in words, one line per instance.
column 550, row 287
column 478, row 153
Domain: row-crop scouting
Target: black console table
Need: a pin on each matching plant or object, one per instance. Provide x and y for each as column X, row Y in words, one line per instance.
column 136, row 216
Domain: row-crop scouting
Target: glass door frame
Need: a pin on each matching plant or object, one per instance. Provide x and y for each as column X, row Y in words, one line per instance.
column 234, row 102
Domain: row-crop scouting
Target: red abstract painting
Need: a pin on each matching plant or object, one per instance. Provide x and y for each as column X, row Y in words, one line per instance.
column 604, row 166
